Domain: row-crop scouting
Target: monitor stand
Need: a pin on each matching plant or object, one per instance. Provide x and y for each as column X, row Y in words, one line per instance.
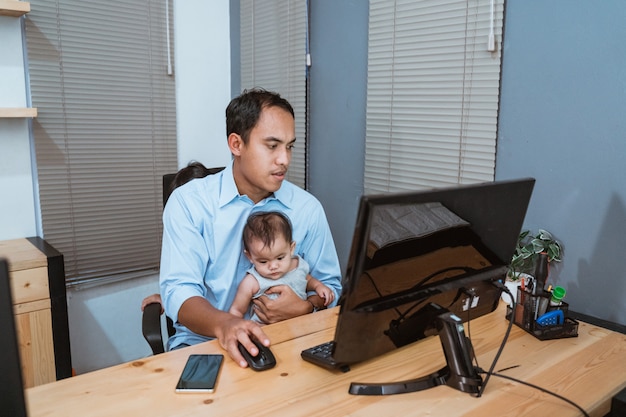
column 459, row 373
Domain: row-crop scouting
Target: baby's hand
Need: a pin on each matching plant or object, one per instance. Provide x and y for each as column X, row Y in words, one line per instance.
column 326, row 293
column 154, row 298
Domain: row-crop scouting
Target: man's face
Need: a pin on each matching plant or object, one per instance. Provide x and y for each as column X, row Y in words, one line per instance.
column 261, row 164
column 274, row 261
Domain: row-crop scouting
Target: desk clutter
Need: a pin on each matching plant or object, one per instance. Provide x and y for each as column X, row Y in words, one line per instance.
column 543, row 313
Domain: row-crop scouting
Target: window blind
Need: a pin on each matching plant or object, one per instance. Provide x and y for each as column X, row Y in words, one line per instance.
column 432, row 93
column 105, row 134
column 273, row 56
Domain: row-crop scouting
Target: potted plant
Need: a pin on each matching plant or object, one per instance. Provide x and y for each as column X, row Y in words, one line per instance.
column 527, row 251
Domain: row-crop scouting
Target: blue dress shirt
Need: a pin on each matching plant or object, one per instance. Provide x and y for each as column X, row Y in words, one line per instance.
column 202, row 252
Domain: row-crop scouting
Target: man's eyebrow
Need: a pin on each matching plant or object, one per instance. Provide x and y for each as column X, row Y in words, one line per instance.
column 275, row 139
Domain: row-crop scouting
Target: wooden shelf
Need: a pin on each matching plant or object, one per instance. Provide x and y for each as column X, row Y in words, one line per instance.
column 17, row 112
column 37, row 278
column 14, row 8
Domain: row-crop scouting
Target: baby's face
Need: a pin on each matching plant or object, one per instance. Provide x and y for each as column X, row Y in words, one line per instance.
column 271, row 262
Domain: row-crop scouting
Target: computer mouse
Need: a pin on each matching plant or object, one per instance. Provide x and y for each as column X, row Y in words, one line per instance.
column 264, row 360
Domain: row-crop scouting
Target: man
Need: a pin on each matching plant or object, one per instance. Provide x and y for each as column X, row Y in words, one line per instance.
column 202, row 260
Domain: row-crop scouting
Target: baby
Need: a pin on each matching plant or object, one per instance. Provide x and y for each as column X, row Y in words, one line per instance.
column 268, row 244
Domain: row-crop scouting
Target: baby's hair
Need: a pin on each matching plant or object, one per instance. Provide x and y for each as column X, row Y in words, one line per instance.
column 266, row 226
column 188, row 173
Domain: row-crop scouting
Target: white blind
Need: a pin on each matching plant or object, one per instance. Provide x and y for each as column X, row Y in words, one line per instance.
column 432, row 93
column 106, row 131
column 273, row 56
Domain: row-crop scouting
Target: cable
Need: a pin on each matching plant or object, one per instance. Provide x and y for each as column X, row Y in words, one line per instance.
column 506, row 337
column 491, row 42
column 371, row 279
column 421, row 301
column 495, row 360
column 554, row 394
column 167, row 37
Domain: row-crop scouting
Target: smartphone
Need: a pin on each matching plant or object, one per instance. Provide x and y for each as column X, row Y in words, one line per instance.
column 200, row 373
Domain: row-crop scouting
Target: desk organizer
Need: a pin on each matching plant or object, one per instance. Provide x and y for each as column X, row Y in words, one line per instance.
column 529, row 306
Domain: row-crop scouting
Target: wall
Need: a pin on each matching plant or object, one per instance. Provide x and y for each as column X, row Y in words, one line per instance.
column 563, row 101
column 105, row 321
column 202, row 80
column 17, row 204
column 337, row 112
column 562, row 121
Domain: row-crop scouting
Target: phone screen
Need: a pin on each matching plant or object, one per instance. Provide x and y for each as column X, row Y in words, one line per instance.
column 200, row 373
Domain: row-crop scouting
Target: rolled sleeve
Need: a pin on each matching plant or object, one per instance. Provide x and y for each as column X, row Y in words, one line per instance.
column 182, row 267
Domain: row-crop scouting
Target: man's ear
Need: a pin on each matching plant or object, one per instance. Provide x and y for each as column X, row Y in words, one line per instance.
column 235, row 143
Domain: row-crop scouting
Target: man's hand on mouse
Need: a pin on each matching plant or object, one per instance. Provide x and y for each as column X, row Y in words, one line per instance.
column 235, row 330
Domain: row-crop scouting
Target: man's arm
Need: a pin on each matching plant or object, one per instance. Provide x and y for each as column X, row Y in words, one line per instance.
column 198, row 315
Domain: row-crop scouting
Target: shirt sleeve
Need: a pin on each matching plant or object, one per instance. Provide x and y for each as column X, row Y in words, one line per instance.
column 184, row 257
column 318, row 248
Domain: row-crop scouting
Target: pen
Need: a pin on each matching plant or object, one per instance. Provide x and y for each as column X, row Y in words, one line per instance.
column 536, row 309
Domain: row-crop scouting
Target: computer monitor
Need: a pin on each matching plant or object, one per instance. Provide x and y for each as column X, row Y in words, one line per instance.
column 416, row 255
column 11, row 385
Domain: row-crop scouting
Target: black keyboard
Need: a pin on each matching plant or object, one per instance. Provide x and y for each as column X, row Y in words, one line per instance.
column 322, row 355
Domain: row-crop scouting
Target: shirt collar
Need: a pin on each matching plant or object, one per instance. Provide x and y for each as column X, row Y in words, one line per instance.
column 229, row 190
column 283, row 195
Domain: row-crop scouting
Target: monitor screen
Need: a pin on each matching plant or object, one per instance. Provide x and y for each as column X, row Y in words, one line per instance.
column 415, row 249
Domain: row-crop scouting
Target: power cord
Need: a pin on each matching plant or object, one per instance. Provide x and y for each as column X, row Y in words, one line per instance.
column 537, row 387
column 506, row 337
column 491, row 371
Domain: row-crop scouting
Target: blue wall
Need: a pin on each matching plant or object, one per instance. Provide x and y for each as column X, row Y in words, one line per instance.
column 563, row 121
column 338, row 89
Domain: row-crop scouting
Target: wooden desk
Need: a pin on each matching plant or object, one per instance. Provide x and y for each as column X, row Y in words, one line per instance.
column 588, row 369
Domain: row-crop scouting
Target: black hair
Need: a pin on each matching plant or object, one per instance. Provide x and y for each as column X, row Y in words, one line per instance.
column 266, row 226
column 243, row 112
column 191, row 171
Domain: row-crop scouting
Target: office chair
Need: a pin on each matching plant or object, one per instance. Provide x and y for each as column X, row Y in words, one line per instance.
column 151, row 318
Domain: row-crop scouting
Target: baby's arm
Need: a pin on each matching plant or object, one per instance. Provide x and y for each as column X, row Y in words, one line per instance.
column 322, row 290
column 247, row 288
column 154, row 298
